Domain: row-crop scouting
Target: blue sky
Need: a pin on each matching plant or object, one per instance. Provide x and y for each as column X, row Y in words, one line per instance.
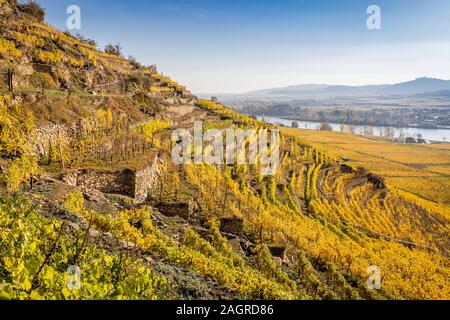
column 225, row 46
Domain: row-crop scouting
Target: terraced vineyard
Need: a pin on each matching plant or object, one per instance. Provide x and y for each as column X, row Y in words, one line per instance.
column 343, row 197
column 419, row 169
column 93, row 207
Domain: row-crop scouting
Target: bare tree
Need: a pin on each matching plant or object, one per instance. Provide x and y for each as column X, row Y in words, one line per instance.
column 115, row 49
column 82, row 38
column 368, row 131
column 390, row 132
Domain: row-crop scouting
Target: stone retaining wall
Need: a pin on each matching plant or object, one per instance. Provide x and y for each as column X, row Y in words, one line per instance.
column 132, row 183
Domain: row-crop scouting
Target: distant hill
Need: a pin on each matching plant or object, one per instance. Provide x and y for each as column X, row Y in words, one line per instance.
column 417, row 86
column 290, row 89
column 420, row 85
column 318, row 91
column 371, row 90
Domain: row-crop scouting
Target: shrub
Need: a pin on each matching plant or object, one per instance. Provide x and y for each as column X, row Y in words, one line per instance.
column 29, row 39
column 20, row 172
column 74, row 202
column 34, row 9
column 38, row 79
column 134, row 62
column 15, row 125
column 8, row 49
column 75, row 62
column 49, row 57
column 88, row 41
column 90, row 56
column 326, row 127
column 114, row 49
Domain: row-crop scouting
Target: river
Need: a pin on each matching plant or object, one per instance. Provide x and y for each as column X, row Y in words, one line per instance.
column 441, row 135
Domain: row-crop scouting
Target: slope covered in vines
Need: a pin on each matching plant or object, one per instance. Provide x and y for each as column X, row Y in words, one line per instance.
column 93, row 207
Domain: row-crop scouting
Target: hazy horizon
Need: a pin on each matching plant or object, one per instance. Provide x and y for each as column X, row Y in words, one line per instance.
column 241, row 46
column 318, row 84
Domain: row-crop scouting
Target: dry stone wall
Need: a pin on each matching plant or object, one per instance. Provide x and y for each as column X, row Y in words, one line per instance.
column 146, row 179
column 49, row 133
column 132, row 183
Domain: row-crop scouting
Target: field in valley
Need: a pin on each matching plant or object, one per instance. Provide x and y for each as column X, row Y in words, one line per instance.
column 423, row 170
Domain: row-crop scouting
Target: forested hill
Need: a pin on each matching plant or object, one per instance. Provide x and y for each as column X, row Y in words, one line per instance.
column 93, row 207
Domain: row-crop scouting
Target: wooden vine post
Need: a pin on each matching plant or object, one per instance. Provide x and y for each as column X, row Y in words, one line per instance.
column 10, row 80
